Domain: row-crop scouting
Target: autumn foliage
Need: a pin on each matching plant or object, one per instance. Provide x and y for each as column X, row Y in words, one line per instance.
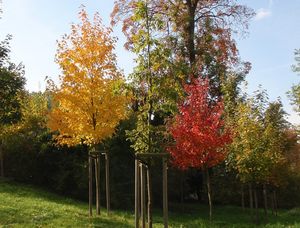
column 91, row 100
column 198, row 129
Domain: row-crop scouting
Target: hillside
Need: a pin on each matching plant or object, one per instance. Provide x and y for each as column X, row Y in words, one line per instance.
column 25, row 206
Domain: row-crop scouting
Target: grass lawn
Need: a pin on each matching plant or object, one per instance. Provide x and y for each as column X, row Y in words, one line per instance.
column 25, row 206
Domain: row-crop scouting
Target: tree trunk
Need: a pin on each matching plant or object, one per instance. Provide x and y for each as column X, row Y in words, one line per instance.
column 265, row 200
column 137, row 194
column 90, row 186
column 107, row 183
column 202, row 195
column 272, row 203
column 243, row 197
column 2, row 162
column 275, row 202
column 251, row 200
column 256, row 205
column 97, row 178
column 191, row 33
column 182, row 188
column 149, row 188
column 165, row 192
column 143, row 201
column 209, row 193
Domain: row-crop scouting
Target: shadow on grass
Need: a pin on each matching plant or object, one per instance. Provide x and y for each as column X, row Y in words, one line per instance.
column 30, row 191
column 192, row 215
column 27, row 206
column 60, row 211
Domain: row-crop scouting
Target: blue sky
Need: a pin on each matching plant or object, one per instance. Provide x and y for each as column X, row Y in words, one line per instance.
column 273, row 35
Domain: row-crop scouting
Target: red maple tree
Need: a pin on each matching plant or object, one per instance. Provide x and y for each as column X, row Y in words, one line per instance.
column 199, row 131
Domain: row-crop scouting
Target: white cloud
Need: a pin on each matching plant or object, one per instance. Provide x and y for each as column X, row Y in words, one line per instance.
column 294, row 118
column 262, row 14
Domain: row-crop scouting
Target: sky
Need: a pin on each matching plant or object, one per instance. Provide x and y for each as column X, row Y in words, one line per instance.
column 273, row 36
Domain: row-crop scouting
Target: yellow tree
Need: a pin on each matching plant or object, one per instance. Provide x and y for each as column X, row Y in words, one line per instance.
column 91, row 98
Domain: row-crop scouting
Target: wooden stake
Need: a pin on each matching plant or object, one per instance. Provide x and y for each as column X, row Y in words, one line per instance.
column 243, row 197
column 265, row 201
column 90, row 186
column 209, row 193
column 137, row 203
column 143, row 201
column 165, row 192
column 107, row 183
column 256, row 205
column 97, row 177
column 251, row 200
column 149, row 188
column 2, row 161
column 275, row 202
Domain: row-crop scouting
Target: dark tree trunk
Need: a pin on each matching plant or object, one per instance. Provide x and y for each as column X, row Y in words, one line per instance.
column 256, row 205
column 97, row 178
column 143, row 201
column 107, row 183
column 90, row 186
column 272, row 203
column 137, row 194
column 149, row 188
column 2, row 162
column 165, row 192
column 265, row 200
column 275, row 202
column 209, row 193
column 243, row 197
column 191, row 32
column 182, row 188
column 251, row 200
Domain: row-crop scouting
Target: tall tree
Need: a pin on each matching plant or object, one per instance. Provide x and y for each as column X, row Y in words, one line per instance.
column 91, row 98
column 294, row 94
column 12, row 83
column 198, row 131
column 257, row 147
column 197, row 34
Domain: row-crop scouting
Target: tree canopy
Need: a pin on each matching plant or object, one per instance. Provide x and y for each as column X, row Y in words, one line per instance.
column 198, row 129
column 12, row 82
column 91, row 100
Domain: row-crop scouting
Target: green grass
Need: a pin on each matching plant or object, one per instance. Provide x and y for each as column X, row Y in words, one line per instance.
column 25, row 206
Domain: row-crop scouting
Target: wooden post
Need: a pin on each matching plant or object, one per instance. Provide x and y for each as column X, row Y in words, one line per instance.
column 97, row 177
column 209, row 193
column 90, row 186
column 143, row 201
column 149, row 185
column 272, row 203
column 137, row 203
column 251, row 200
column 165, row 192
column 140, row 189
column 243, row 197
column 265, row 201
column 107, row 183
column 275, row 202
column 256, row 204
column 2, row 161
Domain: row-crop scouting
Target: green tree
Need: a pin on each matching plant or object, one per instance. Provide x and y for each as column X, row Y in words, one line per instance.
column 197, row 34
column 294, row 94
column 258, row 145
column 12, row 83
